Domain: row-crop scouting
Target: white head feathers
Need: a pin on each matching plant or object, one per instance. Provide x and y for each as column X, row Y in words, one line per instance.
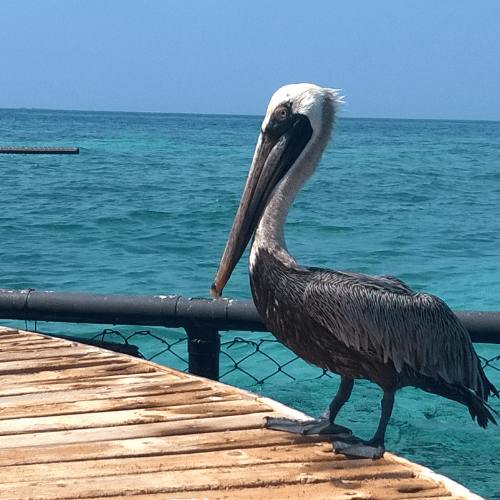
column 304, row 99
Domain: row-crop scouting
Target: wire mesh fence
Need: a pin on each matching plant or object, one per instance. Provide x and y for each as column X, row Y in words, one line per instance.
column 492, row 363
column 259, row 360
column 246, row 361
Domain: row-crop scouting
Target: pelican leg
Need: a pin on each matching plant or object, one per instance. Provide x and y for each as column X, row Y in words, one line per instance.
column 324, row 425
column 342, row 396
column 374, row 448
column 387, row 405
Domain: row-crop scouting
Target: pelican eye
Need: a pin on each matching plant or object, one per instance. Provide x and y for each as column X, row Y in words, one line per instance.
column 281, row 113
column 280, row 122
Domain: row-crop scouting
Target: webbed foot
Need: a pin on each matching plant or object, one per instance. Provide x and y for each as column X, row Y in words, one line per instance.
column 320, row 426
column 341, row 437
column 354, row 447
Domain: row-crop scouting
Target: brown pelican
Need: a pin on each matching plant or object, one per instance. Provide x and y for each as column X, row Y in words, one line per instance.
column 358, row 326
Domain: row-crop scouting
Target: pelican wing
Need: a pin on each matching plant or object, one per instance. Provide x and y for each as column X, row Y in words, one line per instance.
column 381, row 316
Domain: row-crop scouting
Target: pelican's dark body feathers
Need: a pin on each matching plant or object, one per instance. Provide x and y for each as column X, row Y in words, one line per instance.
column 370, row 327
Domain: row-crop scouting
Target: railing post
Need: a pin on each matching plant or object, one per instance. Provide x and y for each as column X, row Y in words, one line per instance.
column 203, row 349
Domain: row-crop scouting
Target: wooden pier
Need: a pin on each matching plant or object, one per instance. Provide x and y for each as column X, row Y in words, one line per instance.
column 82, row 422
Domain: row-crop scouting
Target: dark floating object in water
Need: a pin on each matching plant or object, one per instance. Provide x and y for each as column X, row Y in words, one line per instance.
column 358, row 326
column 39, row 151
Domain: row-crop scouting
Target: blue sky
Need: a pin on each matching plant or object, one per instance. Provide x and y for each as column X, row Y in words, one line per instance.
column 396, row 59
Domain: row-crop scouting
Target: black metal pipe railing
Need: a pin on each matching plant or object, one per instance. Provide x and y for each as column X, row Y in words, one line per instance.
column 201, row 318
column 172, row 311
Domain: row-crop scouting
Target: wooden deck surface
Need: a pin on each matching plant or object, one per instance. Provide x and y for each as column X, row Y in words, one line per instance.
column 81, row 422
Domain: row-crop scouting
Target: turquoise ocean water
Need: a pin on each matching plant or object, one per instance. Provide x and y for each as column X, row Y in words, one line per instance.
column 147, row 205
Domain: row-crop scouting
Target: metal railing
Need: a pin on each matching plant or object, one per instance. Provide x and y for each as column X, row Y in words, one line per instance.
column 202, row 319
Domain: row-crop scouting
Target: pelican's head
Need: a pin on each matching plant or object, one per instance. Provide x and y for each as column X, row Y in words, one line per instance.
column 315, row 103
column 295, row 131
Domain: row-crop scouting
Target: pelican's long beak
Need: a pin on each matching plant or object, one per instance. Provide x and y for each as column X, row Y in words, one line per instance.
column 277, row 150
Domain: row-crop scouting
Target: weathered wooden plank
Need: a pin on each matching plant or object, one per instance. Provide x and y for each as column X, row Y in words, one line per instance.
column 14, row 333
column 138, row 448
column 76, row 356
column 49, row 351
column 137, row 389
column 66, row 363
column 95, row 382
column 6, row 331
column 18, row 338
column 196, row 479
column 378, row 489
column 272, row 456
column 178, row 427
column 86, row 406
column 178, row 462
column 76, row 373
column 13, row 344
column 174, row 396
column 203, row 410
column 51, row 381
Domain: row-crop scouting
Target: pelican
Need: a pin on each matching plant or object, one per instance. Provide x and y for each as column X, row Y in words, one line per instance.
column 358, row 326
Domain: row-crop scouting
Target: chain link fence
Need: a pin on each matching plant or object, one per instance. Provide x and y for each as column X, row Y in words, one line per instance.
column 245, row 361
column 259, row 360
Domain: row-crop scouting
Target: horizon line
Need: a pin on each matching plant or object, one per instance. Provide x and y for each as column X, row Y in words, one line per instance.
column 341, row 116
